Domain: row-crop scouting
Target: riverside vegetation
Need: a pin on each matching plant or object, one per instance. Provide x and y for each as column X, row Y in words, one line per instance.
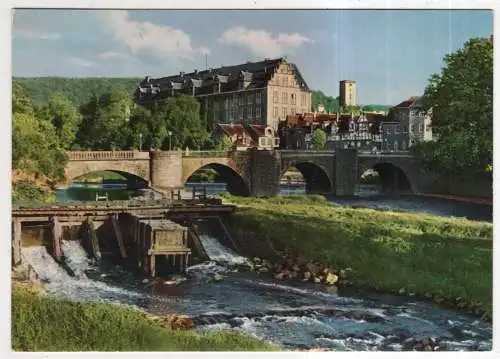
column 43, row 323
column 447, row 260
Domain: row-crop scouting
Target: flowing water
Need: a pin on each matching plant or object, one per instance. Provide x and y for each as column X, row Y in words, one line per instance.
column 293, row 315
column 300, row 315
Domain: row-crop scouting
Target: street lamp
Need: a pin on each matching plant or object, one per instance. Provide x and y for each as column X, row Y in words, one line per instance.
column 170, row 140
column 140, row 141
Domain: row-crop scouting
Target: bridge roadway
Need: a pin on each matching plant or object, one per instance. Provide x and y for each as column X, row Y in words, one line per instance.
column 252, row 172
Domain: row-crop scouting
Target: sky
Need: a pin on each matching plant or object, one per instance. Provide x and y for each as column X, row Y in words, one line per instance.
column 389, row 53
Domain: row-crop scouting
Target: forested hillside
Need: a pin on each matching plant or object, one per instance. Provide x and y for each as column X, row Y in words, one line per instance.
column 77, row 90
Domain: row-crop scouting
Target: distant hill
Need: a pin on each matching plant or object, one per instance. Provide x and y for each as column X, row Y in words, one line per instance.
column 78, row 90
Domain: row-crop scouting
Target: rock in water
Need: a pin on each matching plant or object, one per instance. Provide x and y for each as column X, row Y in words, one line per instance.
column 307, row 275
column 331, row 279
column 145, row 280
column 317, row 280
column 218, row 277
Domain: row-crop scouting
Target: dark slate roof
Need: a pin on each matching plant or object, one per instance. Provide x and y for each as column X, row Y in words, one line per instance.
column 257, row 74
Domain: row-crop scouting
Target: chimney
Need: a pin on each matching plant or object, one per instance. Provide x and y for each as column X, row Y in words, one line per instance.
column 181, row 74
column 196, row 71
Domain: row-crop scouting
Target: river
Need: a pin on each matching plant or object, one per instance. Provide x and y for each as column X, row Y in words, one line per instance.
column 293, row 315
column 367, row 197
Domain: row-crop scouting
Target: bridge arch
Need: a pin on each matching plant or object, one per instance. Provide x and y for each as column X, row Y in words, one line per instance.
column 315, row 176
column 391, row 177
column 132, row 180
column 236, row 184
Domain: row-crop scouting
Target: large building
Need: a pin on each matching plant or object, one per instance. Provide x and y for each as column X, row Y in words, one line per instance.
column 413, row 118
column 263, row 92
column 347, row 93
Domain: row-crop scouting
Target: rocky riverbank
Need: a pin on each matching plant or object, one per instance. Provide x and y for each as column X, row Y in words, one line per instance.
column 447, row 261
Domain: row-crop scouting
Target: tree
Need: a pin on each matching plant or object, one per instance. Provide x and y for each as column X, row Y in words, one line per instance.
column 331, row 104
column 225, row 143
column 65, row 118
column 319, row 139
column 461, row 100
column 181, row 116
column 105, row 124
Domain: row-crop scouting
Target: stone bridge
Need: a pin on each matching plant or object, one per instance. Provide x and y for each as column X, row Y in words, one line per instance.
column 253, row 172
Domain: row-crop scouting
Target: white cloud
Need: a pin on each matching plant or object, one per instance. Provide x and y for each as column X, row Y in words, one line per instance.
column 36, row 35
column 151, row 41
column 261, row 42
column 80, row 62
column 111, row 55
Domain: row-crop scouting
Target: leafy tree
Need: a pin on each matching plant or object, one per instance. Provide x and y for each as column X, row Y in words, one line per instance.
column 225, row 143
column 36, row 147
column 65, row 118
column 181, row 116
column 105, row 124
column 461, row 99
column 319, row 139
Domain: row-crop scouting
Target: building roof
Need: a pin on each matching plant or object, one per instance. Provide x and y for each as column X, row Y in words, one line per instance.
column 233, row 129
column 409, row 102
column 229, row 78
column 259, row 130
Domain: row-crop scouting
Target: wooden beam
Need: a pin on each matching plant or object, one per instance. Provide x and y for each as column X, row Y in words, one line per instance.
column 119, row 237
column 94, row 240
column 56, row 238
column 16, row 242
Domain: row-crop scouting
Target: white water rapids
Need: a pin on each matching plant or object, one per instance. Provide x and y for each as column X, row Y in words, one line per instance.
column 248, row 301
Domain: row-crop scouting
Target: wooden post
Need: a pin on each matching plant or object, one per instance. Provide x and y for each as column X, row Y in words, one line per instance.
column 56, row 238
column 194, row 192
column 94, row 240
column 152, row 267
column 119, row 237
column 16, row 242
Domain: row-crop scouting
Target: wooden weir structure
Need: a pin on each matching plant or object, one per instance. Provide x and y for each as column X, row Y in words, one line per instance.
column 142, row 234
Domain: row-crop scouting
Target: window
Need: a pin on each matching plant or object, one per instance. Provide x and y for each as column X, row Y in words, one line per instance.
column 276, row 98
column 303, row 99
column 257, row 112
column 249, row 112
column 283, row 112
column 285, row 81
column 427, row 128
column 421, row 127
column 294, row 110
column 292, row 97
column 284, row 98
column 227, row 103
column 257, row 98
column 397, row 129
column 403, row 145
column 395, row 145
column 250, row 98
column 276, row 112
column 240, row 113
column 242, row 99
column 405, row 129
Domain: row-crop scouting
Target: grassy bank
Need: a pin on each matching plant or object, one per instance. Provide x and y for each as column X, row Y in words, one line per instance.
column 41, row 323
column 446, row 259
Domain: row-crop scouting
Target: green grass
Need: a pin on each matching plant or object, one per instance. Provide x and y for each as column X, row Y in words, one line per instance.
column 41, row 323
column 387, row 251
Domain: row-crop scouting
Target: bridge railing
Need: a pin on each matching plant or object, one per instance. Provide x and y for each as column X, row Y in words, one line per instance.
column 106, row 155
column 190, row 153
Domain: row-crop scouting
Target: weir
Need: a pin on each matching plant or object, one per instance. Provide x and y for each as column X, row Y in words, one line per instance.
column 148, row 236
